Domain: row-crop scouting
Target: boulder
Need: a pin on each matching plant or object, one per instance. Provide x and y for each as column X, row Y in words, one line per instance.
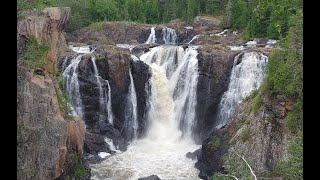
column 152, row 177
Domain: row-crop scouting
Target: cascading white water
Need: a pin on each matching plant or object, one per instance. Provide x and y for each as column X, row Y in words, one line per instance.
column 247, row 75
column 96, row 74
column 172, row 105
column 152, row 37
column 184, row 87
column 105, row 102
column 133, row 101
column 169, row 35
column 109, row 104
column 70, row 76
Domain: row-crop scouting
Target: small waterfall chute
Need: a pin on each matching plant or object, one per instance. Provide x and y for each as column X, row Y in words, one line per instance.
column 152, row 37
column 246, row 75
column 169, row 35
column 70, row 76
column 132, row 101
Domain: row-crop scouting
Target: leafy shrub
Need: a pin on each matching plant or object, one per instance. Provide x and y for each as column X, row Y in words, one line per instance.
column 79, row 169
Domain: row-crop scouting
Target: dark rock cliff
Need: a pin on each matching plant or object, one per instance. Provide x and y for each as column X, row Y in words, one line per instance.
column 215, row 67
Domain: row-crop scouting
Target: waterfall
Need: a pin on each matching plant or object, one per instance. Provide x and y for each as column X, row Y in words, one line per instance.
column 132, row 99
column 184, row 90
column 152, row 37
column 247, row 75
column 169, row 35
column 179, row 77
column 70, row 76
column 96, row 74
column 109, row 103
column 171, row 115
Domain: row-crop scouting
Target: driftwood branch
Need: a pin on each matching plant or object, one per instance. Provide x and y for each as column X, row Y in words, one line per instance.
column 228, row 176
column 242, row 157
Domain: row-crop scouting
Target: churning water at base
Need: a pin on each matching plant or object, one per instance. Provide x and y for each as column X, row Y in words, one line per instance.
column 162, row 151
column 247, row 75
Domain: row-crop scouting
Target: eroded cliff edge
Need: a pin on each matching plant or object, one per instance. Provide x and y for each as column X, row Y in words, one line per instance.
column 46, row 141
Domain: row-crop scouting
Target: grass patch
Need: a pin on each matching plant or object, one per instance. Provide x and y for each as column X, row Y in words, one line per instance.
column 214, row 144
column 35, row 54
column 292, row 168
column 245, row 135
column 257, row 102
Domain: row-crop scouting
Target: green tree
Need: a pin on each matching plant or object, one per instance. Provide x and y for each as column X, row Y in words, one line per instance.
column 152, row 11
column 104, row 10
column 136, row 10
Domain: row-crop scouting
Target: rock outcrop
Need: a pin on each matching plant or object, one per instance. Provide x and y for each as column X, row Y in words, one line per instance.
column 44, row 138
column 215, row 65
column 210, row 22
column 128, row 33
column 265, row 144
column 46, row 26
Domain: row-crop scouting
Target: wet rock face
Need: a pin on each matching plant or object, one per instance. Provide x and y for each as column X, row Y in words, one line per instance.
column 113, row 65
column 214, row 71
column 141, row 74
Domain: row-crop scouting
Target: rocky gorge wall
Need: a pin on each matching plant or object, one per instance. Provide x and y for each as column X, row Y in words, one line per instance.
column 42, row 130
column 45, row 139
